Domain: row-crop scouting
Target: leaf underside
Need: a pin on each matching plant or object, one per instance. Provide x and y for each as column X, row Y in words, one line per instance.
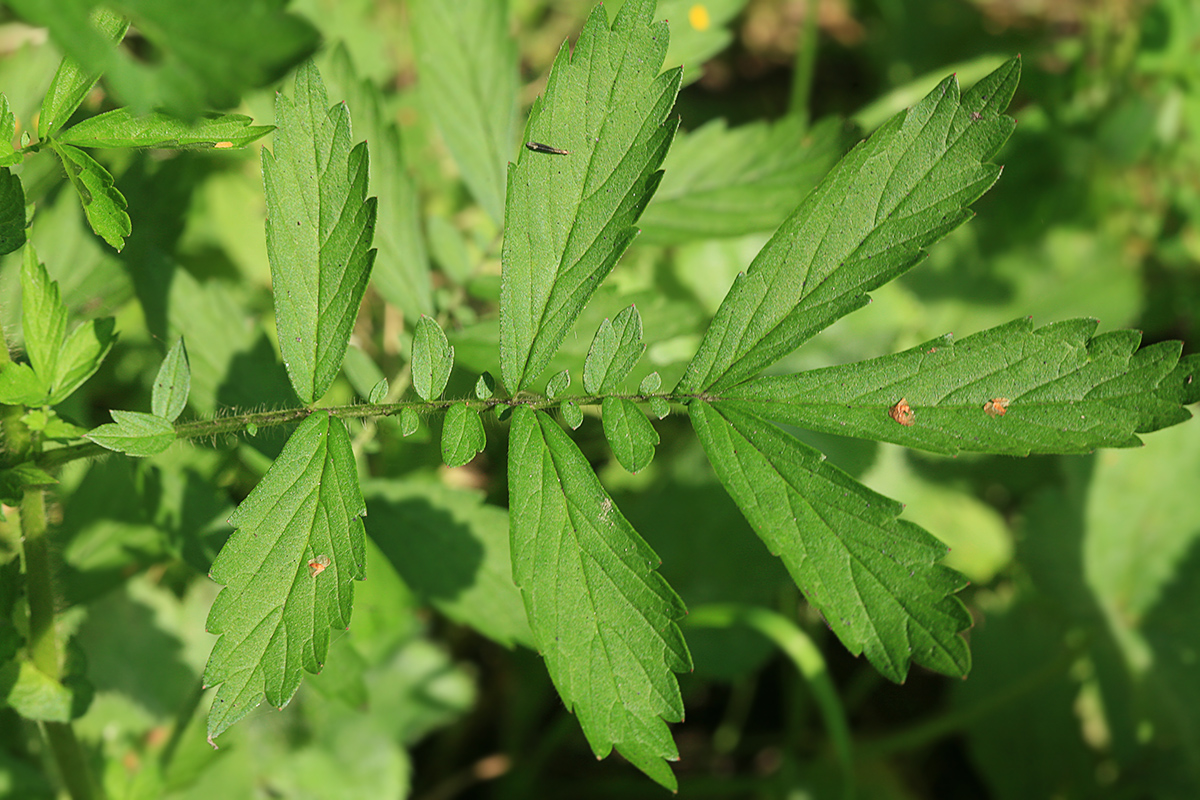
column 568, row 218
column 289, row 572
column 603, row 617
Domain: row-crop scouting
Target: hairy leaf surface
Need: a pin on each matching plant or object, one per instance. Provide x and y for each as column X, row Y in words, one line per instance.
column 289, row 572
column 121, row 128
column 568, row 218
column 865, row 224
column 630, row 435
column 462, row 435
column 603, row 617
column 1009, row 389
column 134, row 433
column 874, row 577
column 319, row 229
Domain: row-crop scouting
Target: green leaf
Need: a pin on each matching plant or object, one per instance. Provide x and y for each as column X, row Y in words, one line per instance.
column 8, row 128
column 660, row 407
column 569, row 218
column 872, row 576
column 1010, row 389
column 603, row 617
column 80, row 357
column 289, row 572
column 43, row 316
column 485, row 387
column 866, row 223
column 467, row 64
column 172, row 384
column 723, row 182
column 572, row 414
column 21, row 386
column 462, row 435
column 319, row 229
column 630, row 435
column 36, row 696
column 378, row 392
column 558, row 384
column 452, row 550
column 14, row 480
column 121, row 128
column 206, row 54
column 409, row 421
column 71, row 82
column 103, row 204
column 650, row 384
column 12, row 212
column 449, row 250
column 401, row 272
column 135, row 434
column 615, row 351
column 432, row 359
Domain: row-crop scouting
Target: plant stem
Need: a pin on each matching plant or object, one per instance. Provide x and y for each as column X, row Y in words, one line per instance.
column 72, row 762
column 805, row 65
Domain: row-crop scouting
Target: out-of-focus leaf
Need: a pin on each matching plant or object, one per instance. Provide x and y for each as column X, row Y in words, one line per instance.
column 603, row 617
column 43, row 316
column 12, row 212
column 71, row 82
column 432, row 359
column 289, row 572
column 467, row 62
column 121, row 128
column 319, row 229
column 462, row 435
column 569, row 217
column 8, row 127
column 172, row 384
column 135, row 434
column 103, row 204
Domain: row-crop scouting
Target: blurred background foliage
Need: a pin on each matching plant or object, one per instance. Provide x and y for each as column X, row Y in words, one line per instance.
column 1083, row 569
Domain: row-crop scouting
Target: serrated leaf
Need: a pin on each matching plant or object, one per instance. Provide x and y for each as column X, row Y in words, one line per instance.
column 135, row 434
column 866, row 223
column 1010, row 389
column 71, row 82
column 172, row 384
column 8, row 128
column 721, row 182
column 409, row 421
column 467, row 65
column 206, row 54
column 462, row 435
column 603, row 617
column 80, row 357
column 43, row 316
column 289, row 572
column 319, row 228
column 432, row 359
column 485, row 387
column 401, row 272
column 12, row 212
column 103, row 204
column 121, row 128
column 630, row 435
column 558, row 384
column 568, row 218
column 873, row 577
column 650, row 384
column 378, row 392
column 572, row 414
column 20, row 385
column 614, row 353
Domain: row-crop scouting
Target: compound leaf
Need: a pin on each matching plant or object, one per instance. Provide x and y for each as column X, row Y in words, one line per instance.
column 720, row 181
column 462, row 435
column 630, row 435
column 135, row 434
column 432, row 359
column 568, row 218
column 874, row 577
column 121, row 128
column 289, row 572
column 467, row 61
column 103, row 204
column 319, row 228
column 603, row 617
column 71, row 82
column 206, row 54
column 615, row 351
column 1010, row 389
column 865, row 224
column 172, row 384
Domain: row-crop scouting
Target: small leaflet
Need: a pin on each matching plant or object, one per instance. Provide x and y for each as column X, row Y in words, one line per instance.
column 650, row 384
column 538, row 147
column 615, row 351
column 318, row 564
column 378, row 392
column 558, row 384
column 408, row 421
column 902, row 412
column 996, row 407
column 462, row 435
column 485, row 387
column 572, row 414
column 432, row 359
column 630, row 435
column 660, row 407
column 172, row 384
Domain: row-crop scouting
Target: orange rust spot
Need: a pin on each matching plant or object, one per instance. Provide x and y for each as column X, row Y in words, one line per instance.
column 996, row 407
column 318, row 565
column 902, row 412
